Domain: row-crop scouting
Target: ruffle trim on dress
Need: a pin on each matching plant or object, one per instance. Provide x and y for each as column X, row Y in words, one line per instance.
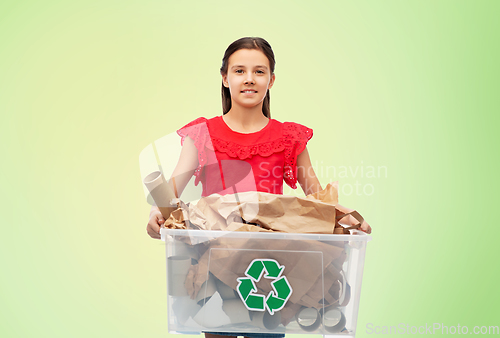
column 242, row 152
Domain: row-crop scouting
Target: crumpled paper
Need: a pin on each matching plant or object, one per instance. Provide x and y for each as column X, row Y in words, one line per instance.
column 315, row 213
column 258, row 211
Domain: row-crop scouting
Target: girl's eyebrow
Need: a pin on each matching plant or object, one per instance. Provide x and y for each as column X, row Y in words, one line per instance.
column 242, row 66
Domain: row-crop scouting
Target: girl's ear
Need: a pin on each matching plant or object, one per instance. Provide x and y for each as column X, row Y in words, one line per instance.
column 273, row 77
column 224, row 81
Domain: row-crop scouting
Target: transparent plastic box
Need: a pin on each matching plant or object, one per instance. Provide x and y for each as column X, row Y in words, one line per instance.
column 248, row 282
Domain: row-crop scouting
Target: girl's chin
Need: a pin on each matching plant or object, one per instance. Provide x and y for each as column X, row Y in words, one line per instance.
column 248, row 104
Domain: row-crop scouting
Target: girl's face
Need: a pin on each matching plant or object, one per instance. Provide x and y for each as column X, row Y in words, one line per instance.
column 248, row 78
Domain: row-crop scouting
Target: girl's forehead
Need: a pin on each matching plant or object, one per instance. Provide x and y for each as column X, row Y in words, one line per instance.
column 249, row 58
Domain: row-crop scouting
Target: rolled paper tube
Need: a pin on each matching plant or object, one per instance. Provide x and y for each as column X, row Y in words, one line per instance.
column 161, row 191
column 177, row 270
column 334, row 320
column 308, row 319
column 236, row 311
column 266, row 321
column 338, row 230
column 345, row 290
column 225, row 291
column 341, row 291
column 346, row 295
column 208, row 288
column 183, row 249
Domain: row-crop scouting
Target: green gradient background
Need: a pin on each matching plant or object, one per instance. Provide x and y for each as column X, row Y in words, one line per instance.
column 86, row 85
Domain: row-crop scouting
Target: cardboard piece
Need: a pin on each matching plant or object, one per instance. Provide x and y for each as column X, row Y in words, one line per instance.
column 236, row 311
column 257, row 211
column 211, row 314
column 192, row 324
column 225, row 291
column 185, row 308
column 208, row 288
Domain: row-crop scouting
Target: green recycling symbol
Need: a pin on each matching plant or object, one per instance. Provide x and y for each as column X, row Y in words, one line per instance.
column 276, row 299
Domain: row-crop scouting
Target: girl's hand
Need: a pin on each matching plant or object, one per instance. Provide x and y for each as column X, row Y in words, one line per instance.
column 188, row 162
column 365, row 227
column 349, row 220
column 155, row 221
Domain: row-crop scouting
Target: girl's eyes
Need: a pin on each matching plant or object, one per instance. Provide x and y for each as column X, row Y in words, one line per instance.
column 240, row 71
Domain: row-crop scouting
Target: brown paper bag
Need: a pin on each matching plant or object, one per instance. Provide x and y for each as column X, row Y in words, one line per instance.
column 316, row 213
column 257, row 211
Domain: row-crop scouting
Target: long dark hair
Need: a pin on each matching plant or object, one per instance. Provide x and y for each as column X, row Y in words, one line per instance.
column 247, row 43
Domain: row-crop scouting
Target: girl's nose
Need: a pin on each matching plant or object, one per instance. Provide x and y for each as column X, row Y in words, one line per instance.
column 249, row 79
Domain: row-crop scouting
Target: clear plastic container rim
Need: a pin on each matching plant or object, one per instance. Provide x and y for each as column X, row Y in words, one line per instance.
column 355, row 236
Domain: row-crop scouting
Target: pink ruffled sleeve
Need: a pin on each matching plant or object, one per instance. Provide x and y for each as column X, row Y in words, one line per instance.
column 197, row 130
column 295, row 138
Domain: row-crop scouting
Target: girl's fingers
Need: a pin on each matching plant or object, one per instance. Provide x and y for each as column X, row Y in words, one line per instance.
column 366, row 227
column 153, row 234
column 153, row 227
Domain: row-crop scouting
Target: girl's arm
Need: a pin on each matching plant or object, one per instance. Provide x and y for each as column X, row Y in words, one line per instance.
column 310, row 184
column 188, row 162
column 306, row 175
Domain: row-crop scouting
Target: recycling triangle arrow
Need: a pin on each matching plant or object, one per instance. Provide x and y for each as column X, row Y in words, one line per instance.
column 255, row 270
column 274, row 304
column 245, row 286
column 282, row 288
column 273, row 269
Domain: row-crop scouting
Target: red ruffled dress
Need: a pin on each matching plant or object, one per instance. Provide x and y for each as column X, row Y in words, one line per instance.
column 230, row 162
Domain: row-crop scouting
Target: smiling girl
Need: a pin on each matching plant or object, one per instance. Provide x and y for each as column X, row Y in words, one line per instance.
column 220, row 151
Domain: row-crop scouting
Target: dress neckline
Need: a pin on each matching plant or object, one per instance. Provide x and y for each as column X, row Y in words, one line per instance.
column 237, row 132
